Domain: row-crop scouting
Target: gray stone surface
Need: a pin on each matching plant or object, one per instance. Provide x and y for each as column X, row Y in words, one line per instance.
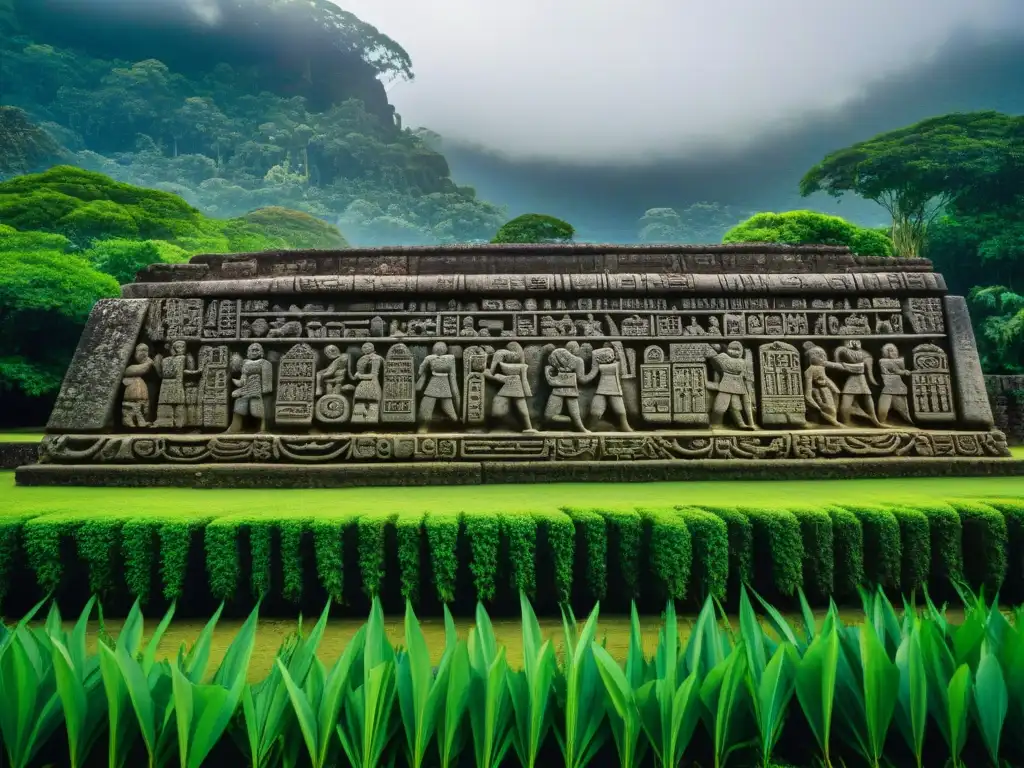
column 463, row 357
column 407, row 474
column 92, row 384
column 1006, row 396
column 549, row 285
column 15, row 454
column 975, row 410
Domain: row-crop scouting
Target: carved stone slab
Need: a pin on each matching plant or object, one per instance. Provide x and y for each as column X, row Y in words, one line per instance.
column 609, row 355
column 975, row 408
column 92, row 384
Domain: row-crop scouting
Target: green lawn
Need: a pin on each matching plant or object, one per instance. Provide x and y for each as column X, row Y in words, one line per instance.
column 21, row 436
column 33, row 501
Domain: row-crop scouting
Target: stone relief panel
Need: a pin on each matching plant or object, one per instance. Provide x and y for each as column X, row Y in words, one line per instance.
column 526, row 364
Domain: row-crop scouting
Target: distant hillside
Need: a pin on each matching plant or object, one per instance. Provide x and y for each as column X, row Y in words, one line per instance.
column 274, row 103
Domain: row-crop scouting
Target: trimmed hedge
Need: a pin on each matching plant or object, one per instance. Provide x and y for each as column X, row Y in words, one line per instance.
column 577, row 556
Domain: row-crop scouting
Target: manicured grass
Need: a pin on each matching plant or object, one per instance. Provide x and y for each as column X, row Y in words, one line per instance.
column 570, row 543
column 21, row 436
column 162, row 502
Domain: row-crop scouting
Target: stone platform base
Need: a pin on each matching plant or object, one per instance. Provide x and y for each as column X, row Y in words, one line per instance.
column 478, row 473
column 15, row 454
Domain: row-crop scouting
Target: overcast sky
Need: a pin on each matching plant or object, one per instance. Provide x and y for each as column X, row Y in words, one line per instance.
column 562, row 79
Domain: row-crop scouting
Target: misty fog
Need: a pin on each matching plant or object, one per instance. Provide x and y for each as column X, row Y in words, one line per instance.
column 588, row 82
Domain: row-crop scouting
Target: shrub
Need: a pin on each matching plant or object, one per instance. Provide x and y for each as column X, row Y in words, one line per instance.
column 556, row 539
column 1013, row 513
column 848, row 541
column 670, row 549
column 985, row 541
column 409, row 529
column 916, row 547
column 946, row 546
column 591, row 550
column 818, row 548
column 519, row 533
column 810, row 228
column 484, row 534
column 222, row 559
column 741, row 546
column 883, row 552
column 373, row 527
column 778, row 549
column 624, row 536
column 534, row 228
column 442, row 539
column 710, row 538
column 292, row 532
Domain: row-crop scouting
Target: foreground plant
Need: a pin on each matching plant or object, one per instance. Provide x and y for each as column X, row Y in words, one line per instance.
column 727, row 693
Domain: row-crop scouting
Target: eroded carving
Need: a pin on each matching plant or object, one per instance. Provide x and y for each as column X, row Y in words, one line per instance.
column 252, row 389
column 611, row 366
column 135, row 402
column 733, row 383
column 855, row 397
column 439, row 383
column 894, row 388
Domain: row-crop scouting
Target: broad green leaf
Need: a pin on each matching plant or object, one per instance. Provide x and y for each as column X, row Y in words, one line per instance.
column 816, row 686
column 991, row 702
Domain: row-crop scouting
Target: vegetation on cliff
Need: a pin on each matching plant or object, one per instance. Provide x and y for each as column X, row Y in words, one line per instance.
column 286, row 111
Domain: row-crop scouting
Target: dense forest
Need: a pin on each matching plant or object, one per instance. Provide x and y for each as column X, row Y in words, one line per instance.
column 295, row 117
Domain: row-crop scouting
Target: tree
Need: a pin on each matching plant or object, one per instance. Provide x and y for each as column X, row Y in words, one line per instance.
column 535, row 228
column 809, row 228
column 24, row 146
column 1000, row 315
column 46, row 294
column 916, row 171
column 122, row 259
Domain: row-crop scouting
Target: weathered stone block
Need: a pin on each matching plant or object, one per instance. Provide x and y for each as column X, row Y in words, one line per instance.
column 488, row 356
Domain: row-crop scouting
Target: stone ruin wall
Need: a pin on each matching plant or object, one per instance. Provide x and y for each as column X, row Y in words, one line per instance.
column 506, row 354
column 1006, row 396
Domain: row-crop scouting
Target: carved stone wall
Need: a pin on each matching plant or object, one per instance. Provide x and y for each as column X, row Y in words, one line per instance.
column 1006, row 396
column 610, row 354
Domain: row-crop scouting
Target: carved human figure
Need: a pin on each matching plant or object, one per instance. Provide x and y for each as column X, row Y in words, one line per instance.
column 713, row 328
column 331, row 379
column 855, row 397
column 509, row 368
column 255, row 382
column 468, row 327
column 894, row 389
column 694, row 328
column 734, row 385
column 607, row 366
column 819, row 390
column 590, row 326
column 564, row 373
column 441, row 386
column 135, row 404
column 366, row 398
column 171, row 402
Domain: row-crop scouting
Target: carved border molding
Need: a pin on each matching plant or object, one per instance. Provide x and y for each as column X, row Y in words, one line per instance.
column 636, row 447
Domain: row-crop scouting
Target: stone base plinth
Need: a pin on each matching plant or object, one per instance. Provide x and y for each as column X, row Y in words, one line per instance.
column 304, row 461
column 477, row 473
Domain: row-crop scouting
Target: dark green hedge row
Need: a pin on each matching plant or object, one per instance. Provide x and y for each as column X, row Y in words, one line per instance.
column 577, row 556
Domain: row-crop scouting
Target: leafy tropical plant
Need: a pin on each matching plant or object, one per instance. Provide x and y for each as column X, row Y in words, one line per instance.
column 866, row 691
